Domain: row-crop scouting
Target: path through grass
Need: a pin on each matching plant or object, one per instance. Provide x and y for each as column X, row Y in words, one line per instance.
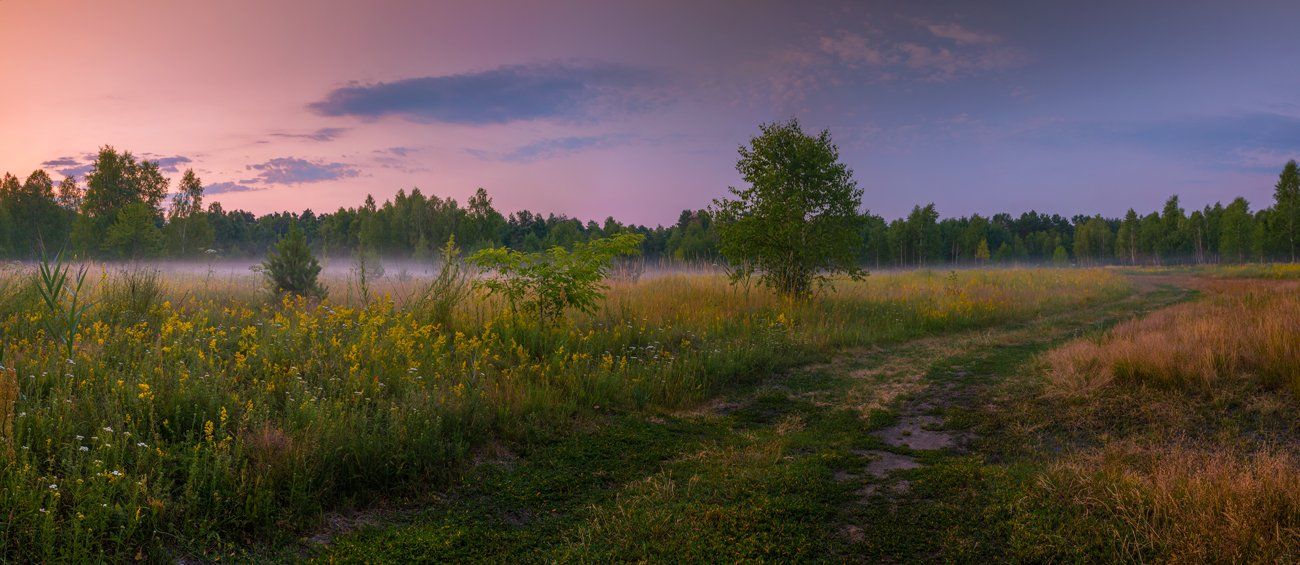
column 881, row 454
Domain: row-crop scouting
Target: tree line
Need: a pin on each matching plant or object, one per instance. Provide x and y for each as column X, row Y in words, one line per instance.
column 126, row 208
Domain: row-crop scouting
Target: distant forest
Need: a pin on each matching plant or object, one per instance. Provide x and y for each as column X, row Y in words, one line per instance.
column 125, row 208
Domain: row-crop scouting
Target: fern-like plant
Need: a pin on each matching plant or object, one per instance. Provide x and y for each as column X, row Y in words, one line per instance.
column 62, row 298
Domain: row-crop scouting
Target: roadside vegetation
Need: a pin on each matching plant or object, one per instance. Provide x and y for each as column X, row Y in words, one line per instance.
column 1185, row 423
column 1240, row 336
column 210, row 416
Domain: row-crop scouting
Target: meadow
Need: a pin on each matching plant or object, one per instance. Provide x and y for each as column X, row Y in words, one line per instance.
column 1185, row 430
column 198, row 413
column 1153, row 421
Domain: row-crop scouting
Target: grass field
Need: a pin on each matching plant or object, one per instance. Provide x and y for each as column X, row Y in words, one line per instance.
column 1191, row 419
column 910, row 416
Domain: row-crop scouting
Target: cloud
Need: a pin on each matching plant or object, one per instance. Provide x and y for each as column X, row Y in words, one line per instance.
column 398, row 151
column 552, row 148
column 227, row 187
column 1261, row 159
column 960, row 34
column 60, row 162
column 292, row 170
column 1259, row 130
column 70, row 166
column 168, row 164
column 322, row 134
column 853, row 48
column 1255, row 142
column 837, row 57
column 928, row 62
column 79, row 171
column 81, row 166
column 1243, row 142
column 398, row 158
column 548, row 91
column 942, row 63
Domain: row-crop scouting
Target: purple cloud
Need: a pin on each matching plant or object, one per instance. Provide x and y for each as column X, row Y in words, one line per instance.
column 71, row 166
column 973, row 53
column 292, row 170
column 552, row 148
column 60, row 162
column 1254, row 142
column 169, row 164
column 322, row 134
column 80, row 167
column 558, row 91
column 398, row 158
column 942, row 63
column 227, row 187
column 398, row 151
column 950, row 52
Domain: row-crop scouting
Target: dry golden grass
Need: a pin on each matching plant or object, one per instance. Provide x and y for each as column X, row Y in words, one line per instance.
column 1266, row 271
column 1241, row 330
column 1188, row 411
column 1184, row 504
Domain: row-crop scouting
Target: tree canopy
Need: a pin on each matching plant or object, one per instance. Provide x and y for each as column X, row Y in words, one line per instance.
column 86, row 218
column 798, row 217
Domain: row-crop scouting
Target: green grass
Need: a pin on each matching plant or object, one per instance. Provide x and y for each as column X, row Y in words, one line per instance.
column 772, row 472
column 752, row 484
column 196, row 419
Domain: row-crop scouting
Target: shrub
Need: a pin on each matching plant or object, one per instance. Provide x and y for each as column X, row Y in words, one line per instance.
column 291, row 267
column 129, row 297
column 546, row 284
column 449, row 288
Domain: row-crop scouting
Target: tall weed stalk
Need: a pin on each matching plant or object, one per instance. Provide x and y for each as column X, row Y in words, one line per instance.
column 447, row 290
column 63, row 300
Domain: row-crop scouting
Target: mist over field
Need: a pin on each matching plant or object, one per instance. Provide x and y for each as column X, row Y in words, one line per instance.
column 339, row 269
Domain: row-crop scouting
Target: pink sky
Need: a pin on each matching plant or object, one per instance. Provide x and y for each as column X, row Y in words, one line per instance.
column 977, row 110
column 219, row 82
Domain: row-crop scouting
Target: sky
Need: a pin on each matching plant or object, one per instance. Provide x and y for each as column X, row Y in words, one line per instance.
column 636, row 109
